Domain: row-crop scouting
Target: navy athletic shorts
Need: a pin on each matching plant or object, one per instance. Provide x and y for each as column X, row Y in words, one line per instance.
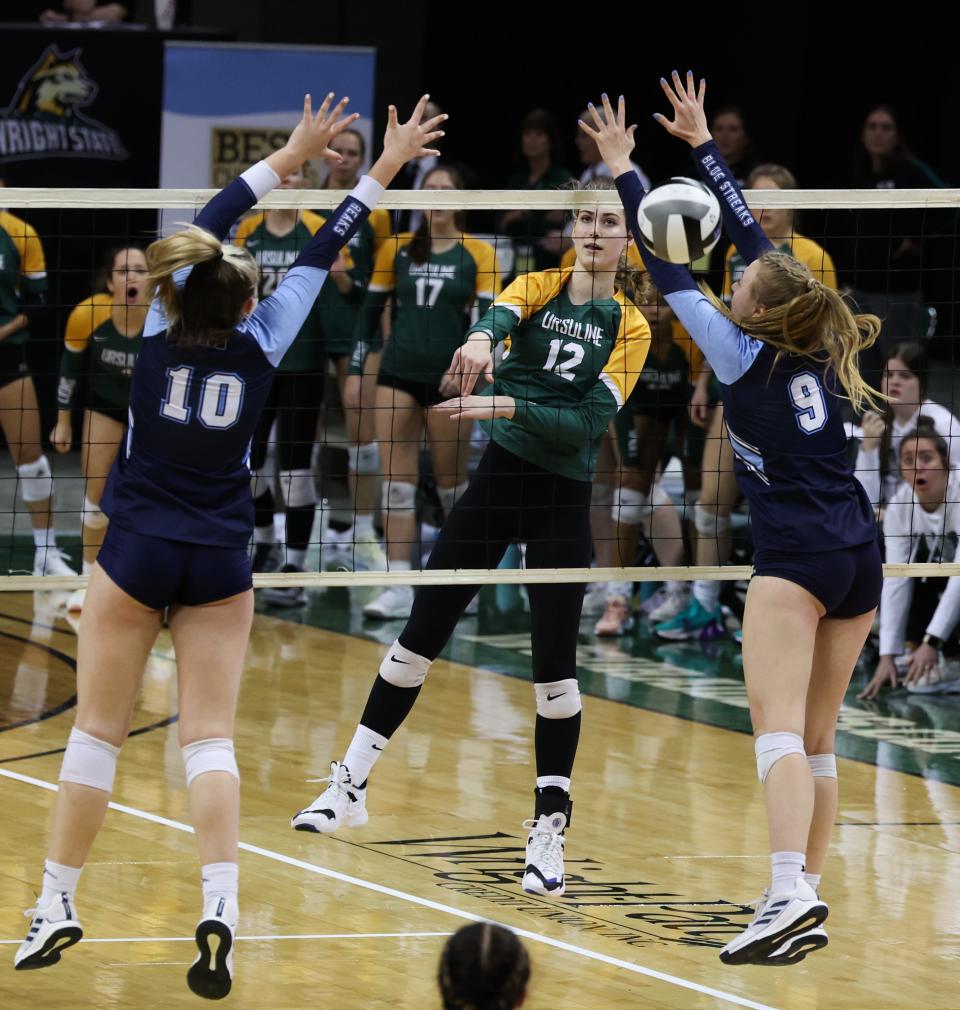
column 847, row 582
column 159, row 573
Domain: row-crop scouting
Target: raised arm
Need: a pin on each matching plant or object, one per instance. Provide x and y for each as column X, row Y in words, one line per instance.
column 690, row 124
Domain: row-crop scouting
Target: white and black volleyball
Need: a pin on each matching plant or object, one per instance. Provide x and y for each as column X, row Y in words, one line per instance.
column 679, row 220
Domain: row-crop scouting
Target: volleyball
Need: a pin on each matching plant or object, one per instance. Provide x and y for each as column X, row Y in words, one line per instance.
column 679, row 220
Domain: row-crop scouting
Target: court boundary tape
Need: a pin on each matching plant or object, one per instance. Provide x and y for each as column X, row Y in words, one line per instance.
column 414, row 899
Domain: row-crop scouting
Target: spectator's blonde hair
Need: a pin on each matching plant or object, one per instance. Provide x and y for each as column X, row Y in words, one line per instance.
column 803, row 316
column 210, row 304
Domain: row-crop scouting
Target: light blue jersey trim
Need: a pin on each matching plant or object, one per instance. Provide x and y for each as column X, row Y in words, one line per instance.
column 729, row 351
column 277, row 320
column 749, row 455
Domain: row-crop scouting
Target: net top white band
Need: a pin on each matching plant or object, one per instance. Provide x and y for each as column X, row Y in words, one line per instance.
column 486, row 199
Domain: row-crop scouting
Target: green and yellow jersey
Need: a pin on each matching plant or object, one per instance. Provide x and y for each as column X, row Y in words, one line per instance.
column 96, row 348
column 23, row 270
column 275, row 255
column 808, row 252
column 431, row 305
column 569, row 367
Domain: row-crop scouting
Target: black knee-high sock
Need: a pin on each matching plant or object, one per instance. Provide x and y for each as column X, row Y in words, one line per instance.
column 387, row 707
column 263, row 508
column 555, row 743
column 299, row 525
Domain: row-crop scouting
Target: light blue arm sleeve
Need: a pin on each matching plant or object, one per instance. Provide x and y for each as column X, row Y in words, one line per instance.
column 276, row 321
column 729, row 351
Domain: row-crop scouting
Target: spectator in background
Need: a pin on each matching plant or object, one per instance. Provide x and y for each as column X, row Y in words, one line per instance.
column 483, row 967
column 85, row 10
column 537, row 234
column 918, row 617
column 729, row 129
column 594, row 166
column 904, row 380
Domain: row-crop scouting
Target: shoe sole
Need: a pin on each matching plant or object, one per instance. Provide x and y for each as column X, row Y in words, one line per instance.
column 215, row 982
column 757, row 951
column 53, row 947
column 357, row 821
column 541, row 890
column 378, row 615
column 798, row 949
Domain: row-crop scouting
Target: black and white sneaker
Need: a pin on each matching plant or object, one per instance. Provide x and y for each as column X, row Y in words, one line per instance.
column 286, row 596
column 780, row 919
column 543, row 872
column 340, row 804
column 211, row 974
column 54, row 927
column 796, row 948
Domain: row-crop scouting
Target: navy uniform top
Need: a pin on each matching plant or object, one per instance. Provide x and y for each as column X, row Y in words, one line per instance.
column 784, row 420
column 183, row 471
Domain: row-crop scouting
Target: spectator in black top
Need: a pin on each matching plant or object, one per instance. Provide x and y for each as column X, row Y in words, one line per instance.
column 729, row 129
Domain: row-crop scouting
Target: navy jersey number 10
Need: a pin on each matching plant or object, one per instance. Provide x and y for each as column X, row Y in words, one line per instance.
column 221, row 398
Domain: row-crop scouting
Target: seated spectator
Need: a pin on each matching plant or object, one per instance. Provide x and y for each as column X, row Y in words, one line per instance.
column 729, row 130
column 918, row 617
column 85, row 10
column 483, row 967
column 904, row 380
column 593, row 165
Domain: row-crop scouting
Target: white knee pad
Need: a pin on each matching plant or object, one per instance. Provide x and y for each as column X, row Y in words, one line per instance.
column 448, row 496
column 93, row 517
column 708, row 523
column 404, row 668
column 601, row 496
column 631, row 506
column 823, row 766
column 399, row 498
column 213, row 755
column 560, row 699
column 770, row 747
column 298, row 488
column 36, row 481
column 659, row 497
column 364, row 459
column 89, row 761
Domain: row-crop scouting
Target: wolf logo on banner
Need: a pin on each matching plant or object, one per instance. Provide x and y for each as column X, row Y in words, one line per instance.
column 46, row 118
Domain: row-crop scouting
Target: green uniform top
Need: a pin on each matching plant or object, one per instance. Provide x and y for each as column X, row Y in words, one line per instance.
column 97, row 349
column 23, row 269
column 275, row 255
column 431, row 299
column 569, row 367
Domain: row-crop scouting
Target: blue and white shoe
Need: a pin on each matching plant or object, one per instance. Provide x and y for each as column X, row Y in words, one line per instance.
column 53, row 928
column 543, row 871
column 693, row 622
column 781, row 919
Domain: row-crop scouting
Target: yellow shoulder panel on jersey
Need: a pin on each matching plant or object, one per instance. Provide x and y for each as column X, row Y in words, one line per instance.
column 488, row 270
column 312, row 221
column 87, row 317
column 814, row 256
column 530, row 292
column 626, row 361
column 25, row 238
column 247, row 227
column 383, row 277
column 382, row 229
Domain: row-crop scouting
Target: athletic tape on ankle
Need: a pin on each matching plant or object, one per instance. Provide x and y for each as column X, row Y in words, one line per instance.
column 448, row 496
column 36, row 481
column 771, row 747
column 213, row 755
column 364, row 459
column 298, row 488
column 560, row 699
column 399, row 498
column 708, row 523
column 93, row 517
column 823, row 766
column 631, row 506
column 88, row 761
column 404, row 668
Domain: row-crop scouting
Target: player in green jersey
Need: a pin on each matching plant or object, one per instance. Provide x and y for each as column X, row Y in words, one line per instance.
column 338, row 318
column 577, row 345
column 275, row 239
column 101, row 343
column 23, row 286
column 435, row 276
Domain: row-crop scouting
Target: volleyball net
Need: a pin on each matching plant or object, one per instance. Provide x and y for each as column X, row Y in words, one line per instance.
column 355, row 468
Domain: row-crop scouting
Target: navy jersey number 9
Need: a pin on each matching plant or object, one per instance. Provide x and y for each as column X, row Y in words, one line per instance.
column 221, row 398
column 806, row 395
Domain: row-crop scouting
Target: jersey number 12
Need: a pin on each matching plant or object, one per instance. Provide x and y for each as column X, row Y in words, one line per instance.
column 221, row 397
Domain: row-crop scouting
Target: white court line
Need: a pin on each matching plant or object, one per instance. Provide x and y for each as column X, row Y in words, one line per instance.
column 298, row 936
column 414, row 899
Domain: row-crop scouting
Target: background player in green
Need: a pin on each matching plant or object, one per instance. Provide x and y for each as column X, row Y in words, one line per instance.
column 23, row 285
column 435, row 274
column 101, row 343
column 275, row 239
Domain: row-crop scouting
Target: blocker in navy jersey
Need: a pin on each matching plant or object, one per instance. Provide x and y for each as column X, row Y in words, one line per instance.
column 182, row 473
column 784, row 420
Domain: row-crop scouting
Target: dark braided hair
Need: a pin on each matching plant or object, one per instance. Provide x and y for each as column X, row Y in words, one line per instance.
column 483, row 967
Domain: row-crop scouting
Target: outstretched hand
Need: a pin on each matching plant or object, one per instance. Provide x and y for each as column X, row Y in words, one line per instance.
column 412, row 139
column 689, row 119
column 614, row 139
column 313, row 133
